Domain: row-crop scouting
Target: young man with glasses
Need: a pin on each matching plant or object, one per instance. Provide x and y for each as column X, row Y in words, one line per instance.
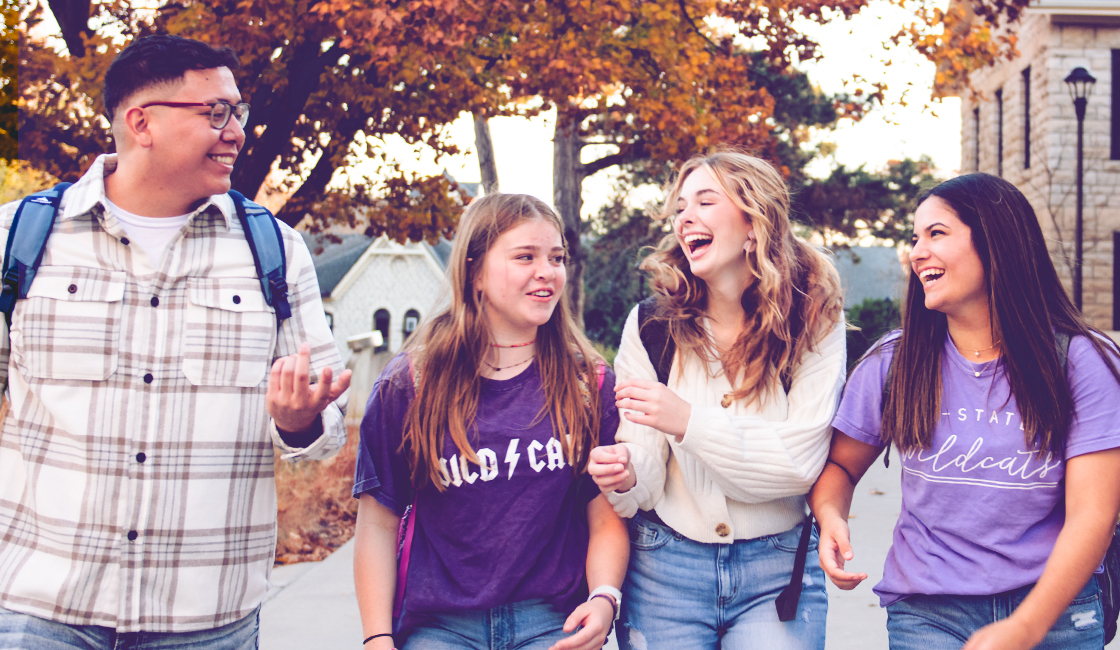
column 149, row 381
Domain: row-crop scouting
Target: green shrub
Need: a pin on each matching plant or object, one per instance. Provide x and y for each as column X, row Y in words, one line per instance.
column 873, row 317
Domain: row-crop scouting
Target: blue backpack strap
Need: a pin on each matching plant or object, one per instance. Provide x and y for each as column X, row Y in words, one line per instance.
column 27, row 238
column 263, row 234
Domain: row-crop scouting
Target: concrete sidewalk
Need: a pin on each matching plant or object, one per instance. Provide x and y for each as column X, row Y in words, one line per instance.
column 312, row 606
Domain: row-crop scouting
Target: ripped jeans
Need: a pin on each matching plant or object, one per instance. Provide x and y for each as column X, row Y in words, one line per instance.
column 684, row 594
column 921, row 622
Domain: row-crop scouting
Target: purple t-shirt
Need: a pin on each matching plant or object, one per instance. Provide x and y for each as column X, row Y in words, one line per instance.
column 980, row 512
column 513, row 529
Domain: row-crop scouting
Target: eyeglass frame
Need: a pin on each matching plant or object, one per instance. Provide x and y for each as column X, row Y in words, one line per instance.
column 231, row 109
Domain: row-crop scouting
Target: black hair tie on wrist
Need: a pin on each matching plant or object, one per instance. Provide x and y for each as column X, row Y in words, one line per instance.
column 851, row 478
column 375, row 636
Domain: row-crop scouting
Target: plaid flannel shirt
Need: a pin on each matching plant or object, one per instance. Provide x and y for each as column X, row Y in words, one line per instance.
column 136, row 466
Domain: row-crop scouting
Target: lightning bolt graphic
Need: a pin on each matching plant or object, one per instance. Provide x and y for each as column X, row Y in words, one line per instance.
column 512, row 455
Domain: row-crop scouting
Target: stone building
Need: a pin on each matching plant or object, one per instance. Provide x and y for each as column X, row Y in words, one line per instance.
column 1020, row 124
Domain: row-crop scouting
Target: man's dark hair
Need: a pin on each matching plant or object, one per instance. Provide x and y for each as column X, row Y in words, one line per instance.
column 153, row 60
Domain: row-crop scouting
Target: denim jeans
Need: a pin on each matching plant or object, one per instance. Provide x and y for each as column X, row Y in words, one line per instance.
column 945, row 622
column 684, row 594
column 26, row 632
column 527, row 625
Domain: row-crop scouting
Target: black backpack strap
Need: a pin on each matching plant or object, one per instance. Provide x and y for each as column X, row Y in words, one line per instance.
column 883, row 401
column 27, row 238
column 654, row 334
column 267, row 245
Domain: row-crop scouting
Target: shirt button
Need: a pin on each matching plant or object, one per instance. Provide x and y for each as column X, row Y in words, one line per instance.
column 140, row 457
column 148, row 378
column 72, row 288
column 132, row 535
column 237, row 300
column 124, row 240
column 155, row 301
column 722, row 530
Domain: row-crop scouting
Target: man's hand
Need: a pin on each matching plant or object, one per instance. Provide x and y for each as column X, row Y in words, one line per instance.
column 291, row 400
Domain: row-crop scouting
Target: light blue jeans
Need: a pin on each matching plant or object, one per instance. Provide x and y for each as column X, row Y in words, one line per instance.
column 945, row 622
column 25, row 632
column 683, row 594
column 527, row 625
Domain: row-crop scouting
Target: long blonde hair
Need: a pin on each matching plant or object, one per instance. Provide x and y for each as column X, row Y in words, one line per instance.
column 454, row 342
column 793, row 303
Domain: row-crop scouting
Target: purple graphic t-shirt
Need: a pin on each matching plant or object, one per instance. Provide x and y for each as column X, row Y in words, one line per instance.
column 510, row 529
column 980, row 512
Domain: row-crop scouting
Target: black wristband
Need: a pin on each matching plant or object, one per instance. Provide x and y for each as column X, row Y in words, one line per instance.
column 851, row 479
column 368, row 639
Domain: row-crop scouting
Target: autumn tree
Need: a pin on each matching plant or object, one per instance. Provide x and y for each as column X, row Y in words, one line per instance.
column 635, row 80
column 327, row 80
column 9, row 78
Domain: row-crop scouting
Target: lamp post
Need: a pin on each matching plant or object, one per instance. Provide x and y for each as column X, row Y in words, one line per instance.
column 1080, row 84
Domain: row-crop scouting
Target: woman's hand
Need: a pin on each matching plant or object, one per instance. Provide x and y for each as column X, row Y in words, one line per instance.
column 1008, row 634
column 611, row 469
column 595, row 616
column 835, row 550
column 652, row 404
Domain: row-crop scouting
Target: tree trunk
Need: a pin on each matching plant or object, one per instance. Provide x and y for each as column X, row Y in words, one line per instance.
column 567, row 183
column 304, row 73
column 313, row 188
column 72, row 17
column 485, row 146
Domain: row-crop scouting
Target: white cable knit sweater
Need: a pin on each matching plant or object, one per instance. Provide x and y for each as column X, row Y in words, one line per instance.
column 739, row 472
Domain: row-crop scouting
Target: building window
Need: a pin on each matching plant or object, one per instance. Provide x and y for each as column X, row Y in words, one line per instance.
column 330, row 319
column 976, row 136
column 999, row 132
column 1115, row 103
column 381, row 324
column 1027, row 118
column 411, row 322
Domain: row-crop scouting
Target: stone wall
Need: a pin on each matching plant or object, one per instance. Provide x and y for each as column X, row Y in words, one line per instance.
column 1052, row 50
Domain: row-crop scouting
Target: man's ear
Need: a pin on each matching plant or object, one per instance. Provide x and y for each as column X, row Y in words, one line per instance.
column 136, row 127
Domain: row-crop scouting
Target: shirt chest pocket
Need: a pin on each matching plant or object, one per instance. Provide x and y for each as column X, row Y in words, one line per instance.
column 230, row 333
column 69, row 326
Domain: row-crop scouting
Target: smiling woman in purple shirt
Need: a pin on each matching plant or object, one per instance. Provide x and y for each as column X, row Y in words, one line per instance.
column 483, row 425
column 1001, row 401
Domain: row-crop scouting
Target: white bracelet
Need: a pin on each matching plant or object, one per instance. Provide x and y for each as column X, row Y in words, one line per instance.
column 614, row 594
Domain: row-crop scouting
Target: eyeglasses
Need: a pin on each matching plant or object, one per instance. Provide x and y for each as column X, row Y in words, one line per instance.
column 220, row 111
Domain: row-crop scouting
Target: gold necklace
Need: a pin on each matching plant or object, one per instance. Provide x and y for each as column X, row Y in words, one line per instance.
column 975, row 353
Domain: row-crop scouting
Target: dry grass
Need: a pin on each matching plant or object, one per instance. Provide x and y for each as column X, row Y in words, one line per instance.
column 315, row 510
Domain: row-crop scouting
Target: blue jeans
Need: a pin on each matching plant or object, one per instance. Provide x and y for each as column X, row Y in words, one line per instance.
column 921, row 622
column 684, row 594
column 26, row 632
column 527, row 625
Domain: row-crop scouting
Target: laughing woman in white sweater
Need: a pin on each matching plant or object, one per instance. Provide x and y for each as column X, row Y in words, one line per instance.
column 713, row 468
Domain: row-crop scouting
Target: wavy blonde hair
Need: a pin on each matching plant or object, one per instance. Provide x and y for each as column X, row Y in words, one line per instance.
column 454, row 342
column 793, row 303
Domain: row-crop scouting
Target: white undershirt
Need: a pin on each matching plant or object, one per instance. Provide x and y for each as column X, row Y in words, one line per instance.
column 152, row 234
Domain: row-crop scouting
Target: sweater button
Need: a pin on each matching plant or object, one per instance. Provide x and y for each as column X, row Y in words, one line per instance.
column 723, row 530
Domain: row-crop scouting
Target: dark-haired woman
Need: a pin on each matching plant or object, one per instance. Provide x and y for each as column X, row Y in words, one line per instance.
column 1002, row 402
column 714, row 466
